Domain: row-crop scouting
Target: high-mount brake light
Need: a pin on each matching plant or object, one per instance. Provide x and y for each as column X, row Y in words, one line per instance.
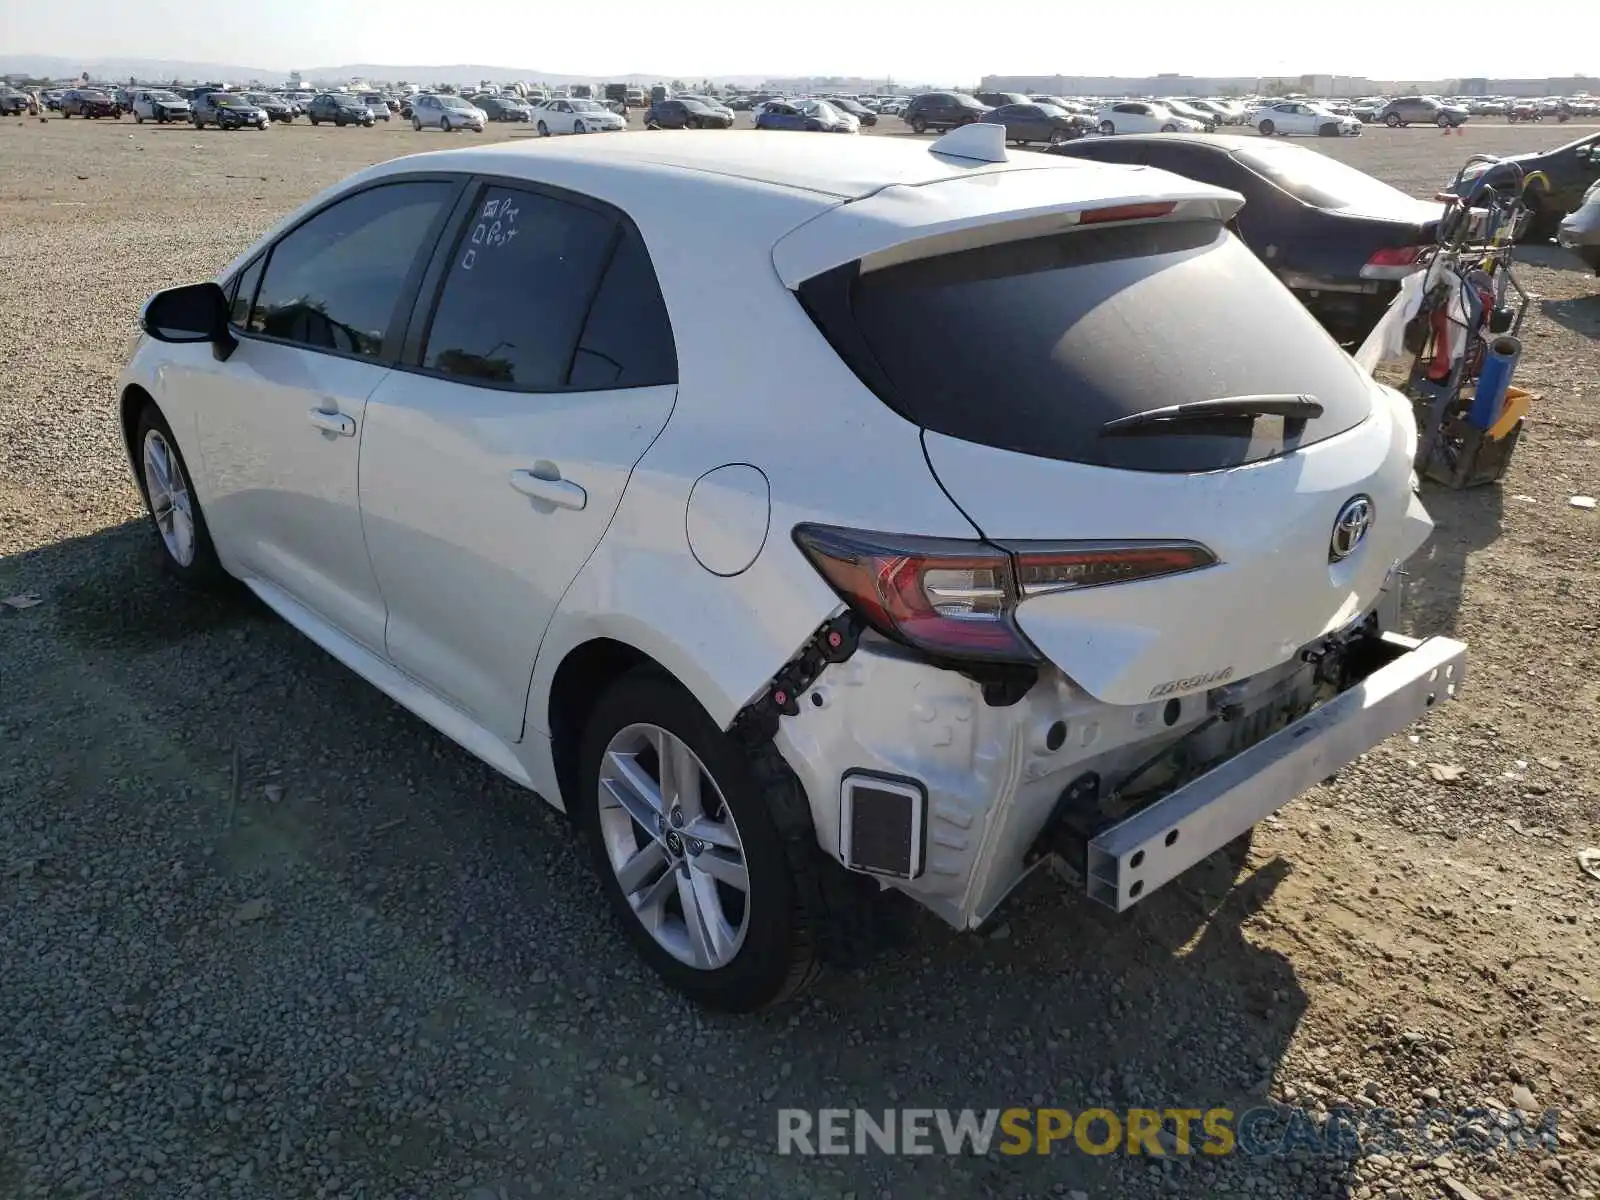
column 957, row 598
column 1127, row 212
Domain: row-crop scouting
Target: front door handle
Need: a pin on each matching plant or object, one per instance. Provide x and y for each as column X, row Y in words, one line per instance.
column 333, row 422
column 563, row 493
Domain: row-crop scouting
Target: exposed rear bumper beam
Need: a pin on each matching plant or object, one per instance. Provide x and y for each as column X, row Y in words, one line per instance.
column 1131, row 859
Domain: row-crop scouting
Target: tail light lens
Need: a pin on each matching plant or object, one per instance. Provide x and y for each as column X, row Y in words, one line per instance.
column 1395, row 256
column 958, row 599
column 1392, row 262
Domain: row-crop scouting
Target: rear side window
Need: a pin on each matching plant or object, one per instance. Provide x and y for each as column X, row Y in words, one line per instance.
column 518, row 290
column 1034, row 345
column 627, row 340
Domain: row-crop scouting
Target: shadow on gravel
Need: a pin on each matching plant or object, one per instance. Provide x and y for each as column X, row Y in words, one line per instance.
column 1463, row 522
column 1551, row 257
column 433, row 930
column 1580, row 314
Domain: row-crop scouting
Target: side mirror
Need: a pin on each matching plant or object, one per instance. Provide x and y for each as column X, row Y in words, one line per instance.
column 196, row 312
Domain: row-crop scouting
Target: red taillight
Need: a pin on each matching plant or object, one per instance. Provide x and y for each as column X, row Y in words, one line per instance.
column 1127, row 212
column 1395, row 256
column 958, row 598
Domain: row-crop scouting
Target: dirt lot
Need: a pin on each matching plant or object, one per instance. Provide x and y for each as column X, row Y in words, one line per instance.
column 264, row 934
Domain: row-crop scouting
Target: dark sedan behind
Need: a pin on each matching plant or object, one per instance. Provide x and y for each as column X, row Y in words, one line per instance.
column 1338, row 238
column 684, row 114
column 1038, row 123
column 88, row 102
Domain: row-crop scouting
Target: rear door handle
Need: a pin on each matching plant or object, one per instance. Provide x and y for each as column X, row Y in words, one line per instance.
column 563, row 493
column 333, row 422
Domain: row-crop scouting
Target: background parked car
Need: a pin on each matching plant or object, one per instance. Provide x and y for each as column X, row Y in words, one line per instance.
column 1340, row 239
column 226, row 110
column 341, row 108
column 854, row 108
column 830, row 114
column 1143, row 116
column 1554, row 182
column 1300, row 116
column 12, row 102
column 1182, row 108
column 1027, row 123
column 996, row 99
column 445, row 112
column 1422, row 110
column 1580, row 230
column 89, row 102
column 817, row 116
column 710, row 102
column 577, row 116
column 377, row 105
column 276, row 108
column 681, row 112
column 942, row 110
column 503, row 108
column 159, row 105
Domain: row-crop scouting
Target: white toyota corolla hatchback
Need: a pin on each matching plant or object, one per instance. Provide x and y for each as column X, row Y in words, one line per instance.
column 807, row 517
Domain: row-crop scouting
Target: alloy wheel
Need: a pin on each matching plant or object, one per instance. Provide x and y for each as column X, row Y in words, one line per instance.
column 674, row 847
column 170, row 504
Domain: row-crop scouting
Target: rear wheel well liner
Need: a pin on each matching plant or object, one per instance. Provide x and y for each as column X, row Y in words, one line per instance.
column 582, row 678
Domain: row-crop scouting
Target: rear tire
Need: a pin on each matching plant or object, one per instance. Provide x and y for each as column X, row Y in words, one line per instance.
column 544, row 130
column 1327, row 131
column 1443, row 121
column 775, row 950
column 1107, row 129
column 1266, row 129
column 182, row 538
column 918, row 125
column 1393, row 121
column 416, row 124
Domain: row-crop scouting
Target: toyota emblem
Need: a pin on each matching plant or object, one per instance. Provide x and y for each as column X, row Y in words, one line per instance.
column 1350, row 528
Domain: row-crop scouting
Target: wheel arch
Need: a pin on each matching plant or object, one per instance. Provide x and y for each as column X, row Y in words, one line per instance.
column 585, row 673
column 132, row 402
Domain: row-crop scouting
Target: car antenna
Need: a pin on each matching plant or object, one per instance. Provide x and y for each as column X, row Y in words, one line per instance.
column 977, row 141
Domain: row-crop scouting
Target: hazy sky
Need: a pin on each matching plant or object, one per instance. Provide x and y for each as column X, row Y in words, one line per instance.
column 874, row 38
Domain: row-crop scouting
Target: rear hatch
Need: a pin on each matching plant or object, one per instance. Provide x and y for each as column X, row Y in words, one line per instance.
column 1016, row 356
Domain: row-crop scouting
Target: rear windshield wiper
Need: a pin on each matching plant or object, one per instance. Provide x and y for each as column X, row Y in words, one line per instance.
column 1287, row 405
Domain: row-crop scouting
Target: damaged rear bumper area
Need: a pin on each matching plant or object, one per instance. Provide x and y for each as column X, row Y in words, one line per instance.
column 913, row 776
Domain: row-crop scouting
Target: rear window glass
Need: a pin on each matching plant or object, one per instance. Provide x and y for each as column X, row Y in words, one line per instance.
column 1034, row 345
column 1321, row 181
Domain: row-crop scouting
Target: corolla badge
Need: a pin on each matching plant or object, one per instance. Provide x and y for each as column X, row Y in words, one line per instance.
column 1350, row 528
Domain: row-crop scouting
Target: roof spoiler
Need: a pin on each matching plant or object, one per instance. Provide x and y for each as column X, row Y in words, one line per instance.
column 978, row 142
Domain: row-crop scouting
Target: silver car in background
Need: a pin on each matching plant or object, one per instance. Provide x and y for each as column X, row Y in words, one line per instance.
column 1580, row 230
column 446, row 113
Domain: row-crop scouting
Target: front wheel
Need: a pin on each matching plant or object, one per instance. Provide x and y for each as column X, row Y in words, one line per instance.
column 918, row 125
column 1392, row 121
column 1266, row 129
column 1107, row 129
column 1328, row 131
column 137, row 119
column 544, row 130
column 444, row 124
column 314, row 121
column 578, row 127
column 1443, row 121
column 705, row 851
column 1169, row 128
column 183, row 539
column 416, row 124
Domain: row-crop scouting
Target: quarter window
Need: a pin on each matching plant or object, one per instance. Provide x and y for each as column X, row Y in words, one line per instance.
column 333, row 282
column 518, row 288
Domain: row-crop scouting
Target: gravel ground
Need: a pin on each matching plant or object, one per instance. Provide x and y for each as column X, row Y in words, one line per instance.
column 264, row 934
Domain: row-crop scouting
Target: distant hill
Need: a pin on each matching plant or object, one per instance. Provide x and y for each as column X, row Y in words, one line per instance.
column 59, row 67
